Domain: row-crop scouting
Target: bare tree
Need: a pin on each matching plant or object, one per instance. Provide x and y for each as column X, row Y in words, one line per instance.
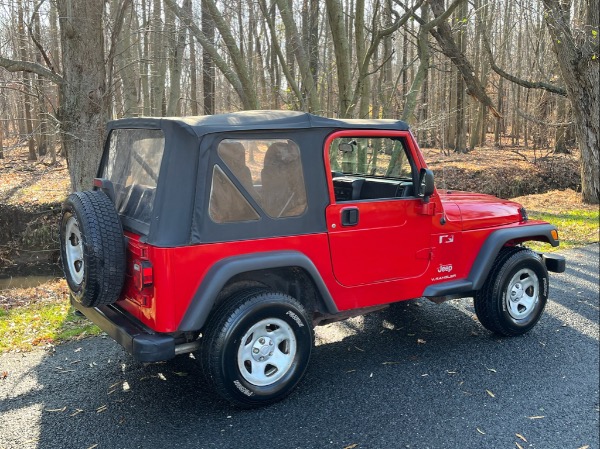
column 577, row 49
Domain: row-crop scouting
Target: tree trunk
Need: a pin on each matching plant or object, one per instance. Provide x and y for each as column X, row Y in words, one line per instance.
column 176, row 47
column 460, row 143
column 208, row 67
column 578, row 62
column 145, row 59
column 26, row 86
column 158, row 68
column 84, row 108
column 125, row 65
column 301, row 57
column 341, row 46
column 193, row 69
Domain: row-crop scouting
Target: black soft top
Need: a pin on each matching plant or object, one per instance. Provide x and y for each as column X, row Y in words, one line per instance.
column 254, row 120
column 179, row 208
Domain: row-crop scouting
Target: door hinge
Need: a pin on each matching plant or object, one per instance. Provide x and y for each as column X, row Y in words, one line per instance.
column 427, row 209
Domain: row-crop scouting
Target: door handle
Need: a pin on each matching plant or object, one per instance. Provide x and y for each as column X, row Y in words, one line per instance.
column 350, row 216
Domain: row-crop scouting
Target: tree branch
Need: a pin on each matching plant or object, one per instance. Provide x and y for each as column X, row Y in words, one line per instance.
column 35, row 41
column 443, row 34
column 30, row 67
column 528, row 84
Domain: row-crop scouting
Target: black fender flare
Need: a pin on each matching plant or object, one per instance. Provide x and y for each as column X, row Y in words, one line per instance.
column 487, row 254
column 218, row 275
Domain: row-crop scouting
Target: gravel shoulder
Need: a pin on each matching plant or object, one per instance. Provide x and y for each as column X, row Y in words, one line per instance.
column 415, row 376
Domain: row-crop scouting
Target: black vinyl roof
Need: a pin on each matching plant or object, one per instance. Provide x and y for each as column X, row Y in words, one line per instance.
column 254, row 120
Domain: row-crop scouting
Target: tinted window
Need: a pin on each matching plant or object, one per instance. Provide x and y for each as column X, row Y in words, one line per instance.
column 133, row 164
column 270, row 171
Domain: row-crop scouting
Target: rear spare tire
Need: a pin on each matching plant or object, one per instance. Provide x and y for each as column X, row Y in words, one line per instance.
column 92, row 248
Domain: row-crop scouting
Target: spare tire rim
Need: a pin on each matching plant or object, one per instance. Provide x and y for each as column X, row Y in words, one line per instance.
column 522, row 294
column 74, row 250
column 267, row 351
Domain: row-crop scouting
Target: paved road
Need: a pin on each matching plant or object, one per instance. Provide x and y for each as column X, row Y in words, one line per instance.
column 428, row 376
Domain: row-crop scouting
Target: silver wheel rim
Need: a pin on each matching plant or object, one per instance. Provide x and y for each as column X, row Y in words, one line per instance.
column 267, row 351
column 74, row 250
column 522, row 294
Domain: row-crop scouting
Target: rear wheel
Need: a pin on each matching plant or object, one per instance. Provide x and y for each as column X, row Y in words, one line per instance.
column 92, row 248
column 256, row 347
column 514, row 296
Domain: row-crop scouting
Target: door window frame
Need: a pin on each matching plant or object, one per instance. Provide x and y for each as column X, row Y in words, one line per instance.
column 415, row 157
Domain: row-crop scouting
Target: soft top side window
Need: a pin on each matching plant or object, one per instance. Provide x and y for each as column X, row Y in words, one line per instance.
column 270, row 171
column 133, row 163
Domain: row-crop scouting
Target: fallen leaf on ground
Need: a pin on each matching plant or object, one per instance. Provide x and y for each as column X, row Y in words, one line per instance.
column 161, row 376
column 490, row 393
column 352, row 446
column 55, row 409
column 492, row 370
column 480, row 431
column 587, row 446
column 420, row 341
column 4, row 375
column 519, row 446
column 521, row 437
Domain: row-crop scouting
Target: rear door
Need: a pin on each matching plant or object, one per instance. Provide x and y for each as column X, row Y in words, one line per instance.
column 376, row 225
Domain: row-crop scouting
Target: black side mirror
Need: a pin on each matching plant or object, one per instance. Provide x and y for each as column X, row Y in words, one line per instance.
column 426, row 185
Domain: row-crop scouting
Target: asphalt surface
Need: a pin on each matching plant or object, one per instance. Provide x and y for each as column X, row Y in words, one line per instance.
column 421, row 376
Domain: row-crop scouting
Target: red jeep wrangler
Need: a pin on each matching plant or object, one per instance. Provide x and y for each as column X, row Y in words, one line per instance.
column 234, row 235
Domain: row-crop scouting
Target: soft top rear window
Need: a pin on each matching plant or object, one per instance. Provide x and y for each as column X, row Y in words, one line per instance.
column 133, row 164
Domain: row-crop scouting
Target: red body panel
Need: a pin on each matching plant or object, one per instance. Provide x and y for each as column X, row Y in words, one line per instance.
column 481, row 211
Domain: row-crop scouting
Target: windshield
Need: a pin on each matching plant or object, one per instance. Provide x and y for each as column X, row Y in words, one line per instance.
column 133, row 164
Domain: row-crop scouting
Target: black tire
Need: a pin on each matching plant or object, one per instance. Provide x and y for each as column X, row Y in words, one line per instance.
column 515, row 293
column 235, row 351
column 92, row 248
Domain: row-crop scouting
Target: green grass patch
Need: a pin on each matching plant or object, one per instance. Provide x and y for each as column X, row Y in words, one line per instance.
column 26, row 327
column 576, row 227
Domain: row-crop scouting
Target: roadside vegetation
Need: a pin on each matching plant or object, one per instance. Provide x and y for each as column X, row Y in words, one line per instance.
column 39, row 316
column 577, row 223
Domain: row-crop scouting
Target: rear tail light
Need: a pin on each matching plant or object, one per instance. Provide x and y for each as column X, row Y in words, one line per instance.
column 142, row 274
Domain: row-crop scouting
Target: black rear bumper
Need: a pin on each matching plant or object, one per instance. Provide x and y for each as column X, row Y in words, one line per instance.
column 138, row 340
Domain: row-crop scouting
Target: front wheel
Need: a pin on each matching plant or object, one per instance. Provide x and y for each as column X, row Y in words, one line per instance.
column 256, row 347
column 515, row 293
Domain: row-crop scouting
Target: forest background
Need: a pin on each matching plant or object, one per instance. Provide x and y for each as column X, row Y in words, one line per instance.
column 520, row 73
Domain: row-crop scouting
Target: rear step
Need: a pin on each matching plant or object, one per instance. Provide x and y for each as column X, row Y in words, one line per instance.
column 137, row 339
